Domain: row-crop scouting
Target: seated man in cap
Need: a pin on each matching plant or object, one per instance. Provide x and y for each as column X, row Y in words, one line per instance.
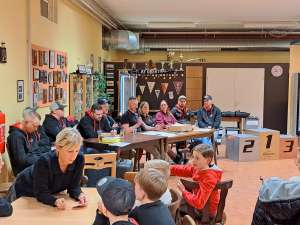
column 180, row 111
column 5, row 207
column 105, row 108
column 26, row 141
column 117, row 199
column 55, row 121
column 209, row 116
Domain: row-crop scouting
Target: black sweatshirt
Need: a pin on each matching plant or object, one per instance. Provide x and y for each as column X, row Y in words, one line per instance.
column 103, row 220
column 44, row 179
column 5, row 208
column 53, row 126
column 88, row 126
column 24, row 149
column 152, row 213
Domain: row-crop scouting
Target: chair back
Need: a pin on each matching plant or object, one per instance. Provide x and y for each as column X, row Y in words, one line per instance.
column 176, row 199
column 188, row 220
column 223, row 186
column 129, row 176
column 101, row 161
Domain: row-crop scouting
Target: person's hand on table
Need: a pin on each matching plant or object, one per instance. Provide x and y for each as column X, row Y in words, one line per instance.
column 83, row 200
column 180, row 186
column 158, row 127
column 115, row 125
column 113, row 132
column 60, row 203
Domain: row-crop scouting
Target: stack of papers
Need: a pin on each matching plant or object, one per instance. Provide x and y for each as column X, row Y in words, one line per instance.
column 159, row 133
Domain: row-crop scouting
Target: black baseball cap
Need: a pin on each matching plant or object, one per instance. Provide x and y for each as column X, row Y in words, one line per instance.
column 117, row 195
column 102, row 101
column 207, row 98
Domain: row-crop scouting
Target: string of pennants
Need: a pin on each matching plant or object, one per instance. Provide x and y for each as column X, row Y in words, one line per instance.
column 157, row 74
column 163, row 88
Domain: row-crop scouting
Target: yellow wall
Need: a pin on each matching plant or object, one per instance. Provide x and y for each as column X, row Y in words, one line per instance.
column 76, row 33
column 13, row 31
column 210, row 57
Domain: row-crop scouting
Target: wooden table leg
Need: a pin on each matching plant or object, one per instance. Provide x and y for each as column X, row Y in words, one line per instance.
column 214, row 145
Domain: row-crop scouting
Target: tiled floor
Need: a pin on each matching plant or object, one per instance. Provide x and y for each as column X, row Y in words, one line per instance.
column 242, row 196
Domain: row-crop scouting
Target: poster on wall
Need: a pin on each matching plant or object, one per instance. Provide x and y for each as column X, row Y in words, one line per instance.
column 20, row 90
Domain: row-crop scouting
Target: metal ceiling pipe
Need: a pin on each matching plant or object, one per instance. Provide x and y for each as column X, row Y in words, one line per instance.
column 96, row 11
column 212, row 44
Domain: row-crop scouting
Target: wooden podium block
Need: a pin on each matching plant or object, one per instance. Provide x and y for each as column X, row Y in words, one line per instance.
column 268, row 142
column 288, row 147
column 243, row 147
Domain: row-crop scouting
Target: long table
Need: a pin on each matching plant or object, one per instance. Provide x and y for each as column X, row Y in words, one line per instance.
column 174, row 137
column 152, row 144
column 28, row 211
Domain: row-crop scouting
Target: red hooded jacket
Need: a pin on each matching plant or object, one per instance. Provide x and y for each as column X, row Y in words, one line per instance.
column 207, row 180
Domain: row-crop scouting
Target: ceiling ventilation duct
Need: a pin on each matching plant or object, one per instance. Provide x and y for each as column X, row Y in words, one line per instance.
column 124, row 40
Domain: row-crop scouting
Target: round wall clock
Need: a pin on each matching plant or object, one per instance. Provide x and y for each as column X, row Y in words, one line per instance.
column 277, row 71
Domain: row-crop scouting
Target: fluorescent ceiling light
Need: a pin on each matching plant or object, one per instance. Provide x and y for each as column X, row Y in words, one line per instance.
column 272, row 25
column 171, row 25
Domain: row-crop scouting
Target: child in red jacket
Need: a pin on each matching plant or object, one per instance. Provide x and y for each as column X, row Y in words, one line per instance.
column 206, row 175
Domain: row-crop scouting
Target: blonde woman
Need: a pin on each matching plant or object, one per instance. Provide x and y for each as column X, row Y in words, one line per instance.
column 54, row 172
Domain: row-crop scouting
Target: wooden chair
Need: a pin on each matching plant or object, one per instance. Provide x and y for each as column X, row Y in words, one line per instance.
column 101, row 161
column 188, row 220
column 176, row 199
column 220, row 217
column 130, row 176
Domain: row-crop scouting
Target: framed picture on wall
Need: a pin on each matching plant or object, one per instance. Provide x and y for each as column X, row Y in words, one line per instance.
column 50, row 93
column 46, row 58
column 41, row 58
column 50, row 78
column 51, row 59
column 34, row 57
column 20, row 90
column 45, row 96
column 36, row 74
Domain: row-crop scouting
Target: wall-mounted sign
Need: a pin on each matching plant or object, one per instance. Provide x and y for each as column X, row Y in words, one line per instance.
column 20, row 90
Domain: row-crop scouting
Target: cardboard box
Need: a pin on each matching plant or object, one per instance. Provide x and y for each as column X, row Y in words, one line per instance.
column 268, row 142
column 288, row 147
column 243, row 147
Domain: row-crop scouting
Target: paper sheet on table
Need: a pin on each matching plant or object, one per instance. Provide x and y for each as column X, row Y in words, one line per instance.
column 159, row 133
column 202, row 129
column 120, row 144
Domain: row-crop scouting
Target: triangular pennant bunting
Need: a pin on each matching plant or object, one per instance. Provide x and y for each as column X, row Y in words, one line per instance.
column 178, row 86
column 151, row 86
column 142, row 88
column 157, row 92
column 171, row 95
column 164, row 87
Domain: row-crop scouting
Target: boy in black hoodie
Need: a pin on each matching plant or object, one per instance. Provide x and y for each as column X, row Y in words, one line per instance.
column 117, row 199
column 150, row 185
column 92, row 122
column 26, row 141
column 5, row 207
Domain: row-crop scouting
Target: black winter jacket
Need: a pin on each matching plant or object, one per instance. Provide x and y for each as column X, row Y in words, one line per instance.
column 88, row 127
column 24, row 149
column 278, row 203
